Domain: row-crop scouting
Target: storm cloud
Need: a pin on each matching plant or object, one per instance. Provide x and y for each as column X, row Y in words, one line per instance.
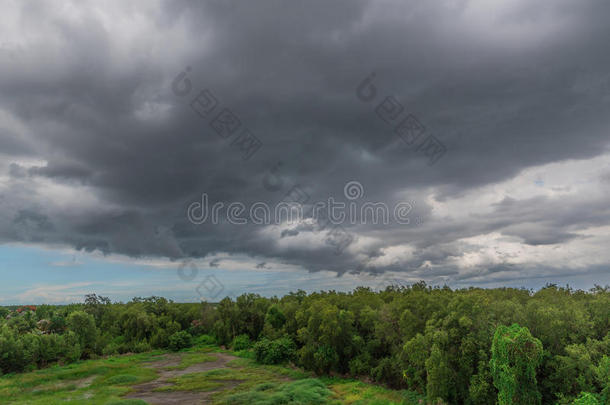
column 99, row 152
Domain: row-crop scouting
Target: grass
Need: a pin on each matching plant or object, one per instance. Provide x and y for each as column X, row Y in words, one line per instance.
column 191, row 382
column 307, row 391
column 353, row 392
column 190, row 358
column 242, row 381
column 100, row 381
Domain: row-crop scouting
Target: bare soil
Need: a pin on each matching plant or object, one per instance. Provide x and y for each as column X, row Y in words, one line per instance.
column 146, row 391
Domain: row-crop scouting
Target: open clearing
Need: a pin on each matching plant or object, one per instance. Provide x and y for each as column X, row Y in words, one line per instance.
column 152, row 392
column 202, row 375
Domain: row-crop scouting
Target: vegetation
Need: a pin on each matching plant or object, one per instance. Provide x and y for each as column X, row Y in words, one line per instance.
column 515, row 355
column 469, row 346
column 94, row 381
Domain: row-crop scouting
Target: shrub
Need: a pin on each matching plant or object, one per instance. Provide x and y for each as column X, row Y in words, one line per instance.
column 160, row 338
column 241, row 342
column 72, row 350
column 197, row 327
column 180, row 340
column 360, row 365
column 140, row 347
column 110, row 349
column 51, row 347
column 274, row 351
column 204, row 340
column 389, row 370
column 12, row 357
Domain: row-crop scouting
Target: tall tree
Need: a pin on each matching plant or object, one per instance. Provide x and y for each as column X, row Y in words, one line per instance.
column 515, row 354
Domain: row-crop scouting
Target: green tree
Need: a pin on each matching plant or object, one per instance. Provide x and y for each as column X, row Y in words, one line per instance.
column 440, row 376
column 586, row 398
column 83, row 326
column 515, row 354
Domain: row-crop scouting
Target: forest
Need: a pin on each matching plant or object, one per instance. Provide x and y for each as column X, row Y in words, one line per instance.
column 465, row 346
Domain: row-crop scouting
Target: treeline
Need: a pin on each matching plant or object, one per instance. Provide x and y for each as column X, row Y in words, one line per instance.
column 469, row 346
column 32, row 337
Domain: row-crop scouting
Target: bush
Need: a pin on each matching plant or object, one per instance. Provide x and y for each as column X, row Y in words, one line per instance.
column 389, row 370
column 160, row 338
column 241, row 342
column 51, row 347
column 110, row 349
column 12, row 356
column 274, row 351
column 359, row 365
column 197, row 327
column 140, row 347
column 180, row 340
column 72, row 349
column 205, row 340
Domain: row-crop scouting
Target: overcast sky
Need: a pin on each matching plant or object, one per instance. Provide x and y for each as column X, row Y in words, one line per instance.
column 106, row 139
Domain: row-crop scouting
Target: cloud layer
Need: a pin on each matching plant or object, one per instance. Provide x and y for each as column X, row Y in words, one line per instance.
column 98, row 153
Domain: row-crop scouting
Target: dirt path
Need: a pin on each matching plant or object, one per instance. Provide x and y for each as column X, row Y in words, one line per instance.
column 146, row 391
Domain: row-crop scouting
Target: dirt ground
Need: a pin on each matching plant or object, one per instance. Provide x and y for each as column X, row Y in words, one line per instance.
column 146, row 391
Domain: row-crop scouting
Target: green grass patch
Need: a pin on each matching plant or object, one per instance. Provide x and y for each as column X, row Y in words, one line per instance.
column 353, row 392
column 243, row 381
column 100, row 381
column 121, row 379
column 190, row 358
column 308, row 391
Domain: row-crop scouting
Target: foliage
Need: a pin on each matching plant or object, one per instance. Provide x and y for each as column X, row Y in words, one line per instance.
column 433, row 341
column 586, row 398
column 83, row 326
column 180, row 340
column 241, row 342
column 515, row 354
column 204, row 340
column 309, row 391
column 274, row 351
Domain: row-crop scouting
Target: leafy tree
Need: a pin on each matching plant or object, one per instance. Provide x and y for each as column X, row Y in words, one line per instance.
column 180, row 340
column 96, row 305
column 241, row 342
column 586, row 398
column 416, row 352
column 515, row 355
column 440, row 374
column 274, row 351
column 275, row 317
column 83, row 326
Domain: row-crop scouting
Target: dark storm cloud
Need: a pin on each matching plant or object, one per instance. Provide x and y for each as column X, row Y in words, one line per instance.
column 94, row 102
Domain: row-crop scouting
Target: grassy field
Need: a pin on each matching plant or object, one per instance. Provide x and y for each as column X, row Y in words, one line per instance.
column 194, row 376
